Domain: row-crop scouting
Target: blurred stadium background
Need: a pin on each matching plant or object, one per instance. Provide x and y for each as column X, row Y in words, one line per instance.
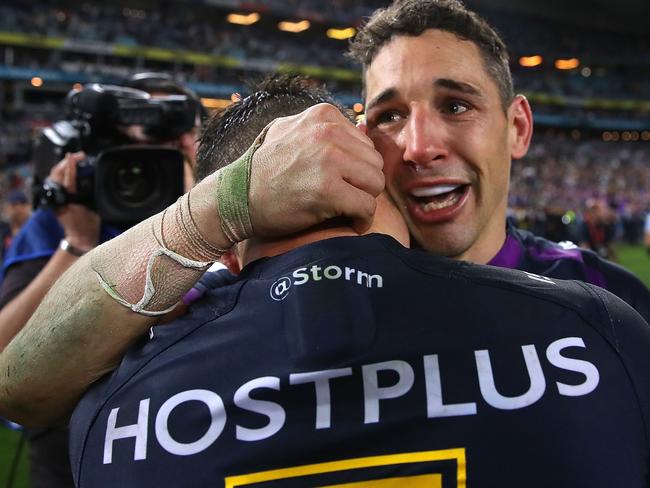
column 584, row 64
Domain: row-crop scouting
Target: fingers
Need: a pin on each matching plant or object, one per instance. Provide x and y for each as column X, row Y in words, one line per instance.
column 65, row 171
column 311, row 167
column 357, row 205
column 361, row 166
column 347, row 149
column 359, row 135
column 70, row 176
column 326, row 114
column 57, row 171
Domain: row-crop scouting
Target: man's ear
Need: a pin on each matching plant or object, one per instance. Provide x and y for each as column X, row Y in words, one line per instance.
column 231, row 261
column 520, row 120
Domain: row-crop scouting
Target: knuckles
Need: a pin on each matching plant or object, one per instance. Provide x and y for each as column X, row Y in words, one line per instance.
column 325, row 132
column 324, row 111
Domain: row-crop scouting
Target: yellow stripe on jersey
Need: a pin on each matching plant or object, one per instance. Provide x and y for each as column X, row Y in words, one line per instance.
column 457, row 454
column 420, row 481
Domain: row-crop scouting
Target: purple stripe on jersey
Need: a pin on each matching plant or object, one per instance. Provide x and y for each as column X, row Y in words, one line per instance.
column 595, row 277
column 555, row 253
column 509, row 255
column 592, row 275
column 192, row 296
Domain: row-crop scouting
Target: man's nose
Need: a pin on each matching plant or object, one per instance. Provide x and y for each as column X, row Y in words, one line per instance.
column 424, row 137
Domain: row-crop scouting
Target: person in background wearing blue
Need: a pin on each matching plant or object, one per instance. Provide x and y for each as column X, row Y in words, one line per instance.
column 49, row 243
column 15, row 213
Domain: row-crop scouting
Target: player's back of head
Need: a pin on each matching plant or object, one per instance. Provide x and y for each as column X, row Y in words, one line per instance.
column 229, row 133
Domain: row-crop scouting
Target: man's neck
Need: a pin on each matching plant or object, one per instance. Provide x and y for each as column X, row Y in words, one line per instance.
column 387, row 221
column 256, row 248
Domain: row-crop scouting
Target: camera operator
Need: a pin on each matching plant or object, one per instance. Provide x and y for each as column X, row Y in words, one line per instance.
column 160, row 85
column 54, row 238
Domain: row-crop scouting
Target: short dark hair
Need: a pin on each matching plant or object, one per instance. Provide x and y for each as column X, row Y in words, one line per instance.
column 413, row 17
column 229, row 133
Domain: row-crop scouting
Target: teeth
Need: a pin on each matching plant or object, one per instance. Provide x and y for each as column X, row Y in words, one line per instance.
column 451, row 200
column 433, row 191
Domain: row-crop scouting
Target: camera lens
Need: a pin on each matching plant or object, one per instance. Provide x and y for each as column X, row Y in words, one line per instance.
column 134, row 183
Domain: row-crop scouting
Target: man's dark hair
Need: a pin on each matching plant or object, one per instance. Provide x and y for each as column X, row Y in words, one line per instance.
column 228, row 134
column 413, row 17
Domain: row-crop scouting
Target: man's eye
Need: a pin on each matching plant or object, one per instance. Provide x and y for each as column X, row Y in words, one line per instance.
column 388, row 117
column 457, row 108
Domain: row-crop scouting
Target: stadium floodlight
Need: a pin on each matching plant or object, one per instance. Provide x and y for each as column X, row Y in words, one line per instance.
column 564, row 64
column 243, row 19
column 294, row 27
column 530, row 61
column 341, row 34
column 36, row 82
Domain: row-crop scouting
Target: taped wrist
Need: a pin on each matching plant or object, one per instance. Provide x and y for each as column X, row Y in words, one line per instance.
column 151, row 266
column 232, row 187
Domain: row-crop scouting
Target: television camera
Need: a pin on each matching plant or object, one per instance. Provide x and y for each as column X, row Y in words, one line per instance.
column 124, row 180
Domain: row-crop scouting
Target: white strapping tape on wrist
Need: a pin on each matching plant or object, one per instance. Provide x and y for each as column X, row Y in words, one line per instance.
column 149, row 289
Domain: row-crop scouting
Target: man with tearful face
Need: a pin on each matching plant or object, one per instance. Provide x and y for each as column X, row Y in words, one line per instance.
column 334, row 359
column 442, row 112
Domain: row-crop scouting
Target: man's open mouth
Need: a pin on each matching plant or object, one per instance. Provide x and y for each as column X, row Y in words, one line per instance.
column 438, row 197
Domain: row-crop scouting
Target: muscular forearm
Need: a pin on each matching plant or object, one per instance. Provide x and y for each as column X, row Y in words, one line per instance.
column 80, row 332
column 82, row 328
column 76, row 335
column 15, row 314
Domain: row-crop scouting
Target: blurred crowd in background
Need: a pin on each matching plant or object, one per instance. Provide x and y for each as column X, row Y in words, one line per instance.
column 588, row 192
column 203, row 28
column 586, row 178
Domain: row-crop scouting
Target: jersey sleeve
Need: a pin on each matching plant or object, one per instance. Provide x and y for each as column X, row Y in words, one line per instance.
column 631, row 338
column 626, row 286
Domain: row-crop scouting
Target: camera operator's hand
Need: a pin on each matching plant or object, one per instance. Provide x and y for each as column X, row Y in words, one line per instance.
column 312, row 167
column 80, row 224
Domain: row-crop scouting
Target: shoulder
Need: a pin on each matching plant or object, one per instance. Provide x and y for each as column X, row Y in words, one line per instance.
column 565, row 260
column 630, row 335
column 619, row 281
column 538, row 290
column 543, row 248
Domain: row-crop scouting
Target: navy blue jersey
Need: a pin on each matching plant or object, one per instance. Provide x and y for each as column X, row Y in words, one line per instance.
column 528, row 252
column 356, row 361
